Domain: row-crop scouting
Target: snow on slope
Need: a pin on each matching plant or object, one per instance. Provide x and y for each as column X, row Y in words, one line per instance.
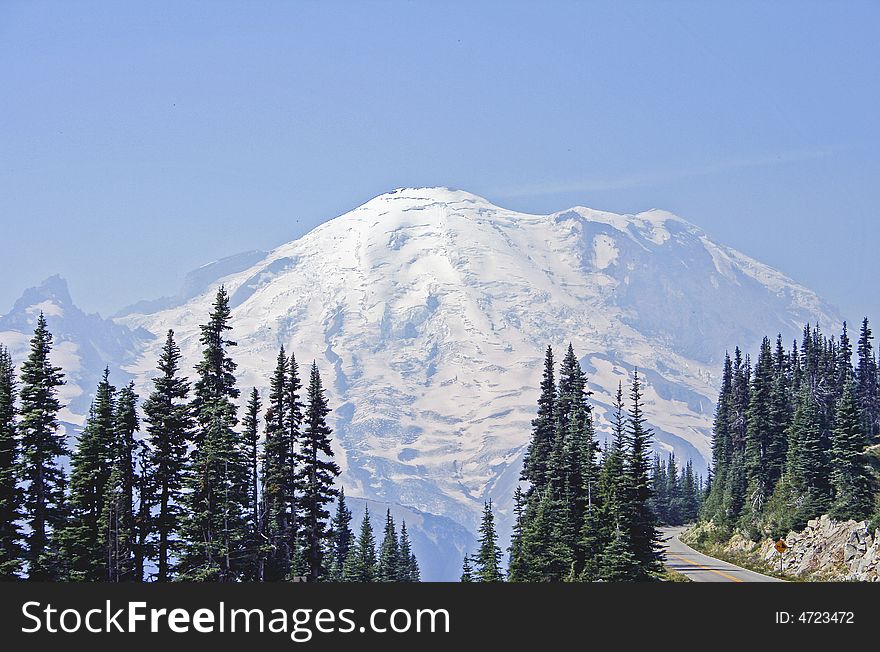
column 428, row 311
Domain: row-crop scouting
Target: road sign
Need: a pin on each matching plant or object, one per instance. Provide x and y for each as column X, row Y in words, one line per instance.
column 781, row 546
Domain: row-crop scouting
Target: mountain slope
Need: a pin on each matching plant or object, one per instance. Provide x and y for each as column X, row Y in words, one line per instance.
column 429, row 311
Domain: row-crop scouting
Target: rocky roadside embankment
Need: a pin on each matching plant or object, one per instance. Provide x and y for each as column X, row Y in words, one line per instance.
column 825, row 550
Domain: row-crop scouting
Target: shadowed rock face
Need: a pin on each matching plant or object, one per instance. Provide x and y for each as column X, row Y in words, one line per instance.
column 428, row 311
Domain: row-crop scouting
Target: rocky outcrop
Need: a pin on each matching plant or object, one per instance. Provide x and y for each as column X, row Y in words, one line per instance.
column 825, row 550
column 830, row 550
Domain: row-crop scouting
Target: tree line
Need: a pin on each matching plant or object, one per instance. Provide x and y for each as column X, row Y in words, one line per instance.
column 581, row 513
column 194, row 495
column 791, row 432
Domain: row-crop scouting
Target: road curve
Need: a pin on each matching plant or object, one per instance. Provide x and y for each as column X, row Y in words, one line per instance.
column 698, row 567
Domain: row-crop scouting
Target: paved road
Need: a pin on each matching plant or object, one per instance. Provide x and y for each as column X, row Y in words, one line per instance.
column 702, row 568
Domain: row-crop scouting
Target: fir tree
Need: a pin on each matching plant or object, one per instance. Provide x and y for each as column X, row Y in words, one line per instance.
column 467, row 571
column 10, row 493
column 91, row 465
column 169, row 428
column 849, row 473
column 543, row 431
column 639, row 519
column 278, row 484
column 362, row 565
column 760, row 432
column 41, row 445
column 118, row 531
column 389, row 553
column 408, row 570
column 316, row 473
column 342, row 538
column 251, row 424
column 488, row 557
column 215, row 530
column 618, row 563
column 868, row 381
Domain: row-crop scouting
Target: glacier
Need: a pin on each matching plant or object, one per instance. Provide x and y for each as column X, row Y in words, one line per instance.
column 428, row 311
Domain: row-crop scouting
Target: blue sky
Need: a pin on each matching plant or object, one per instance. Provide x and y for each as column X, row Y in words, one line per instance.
column 141, row 140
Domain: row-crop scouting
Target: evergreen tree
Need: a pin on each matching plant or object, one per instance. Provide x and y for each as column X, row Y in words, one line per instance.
column 41, row 446
column 118, row 529
column 544, row 555
column 808, row 463
column 488, row 557
column 215, row 529
column 517, row 564
column 169, row 427
column 760, row 432
column 251, row 424
column 660, row 488
column 674, row 506
column 362, row 565
column 409, row 565
column 639, row 519
column 618, row 563
column 389, row 553
column 849, row 473
column 316, row 473
column 467, row 571
column 91, row 465
column 10, row 493
column 342, row 538
column 868, row 381
column 543, row 431
column 714, row 507
column 278, row 485
column 293, row 421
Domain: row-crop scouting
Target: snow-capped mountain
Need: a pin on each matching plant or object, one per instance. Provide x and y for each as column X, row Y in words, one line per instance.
column 428, row 311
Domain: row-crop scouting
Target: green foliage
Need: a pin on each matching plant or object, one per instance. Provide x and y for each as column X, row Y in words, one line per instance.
column 169, row 428
column 488, row 557
column 41, row 445
column 10, row 493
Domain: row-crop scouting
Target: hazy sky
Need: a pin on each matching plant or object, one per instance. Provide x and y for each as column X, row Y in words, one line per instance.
column 141, row 140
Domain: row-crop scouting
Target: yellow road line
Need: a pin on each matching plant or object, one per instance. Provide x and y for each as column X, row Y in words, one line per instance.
column 711, row 570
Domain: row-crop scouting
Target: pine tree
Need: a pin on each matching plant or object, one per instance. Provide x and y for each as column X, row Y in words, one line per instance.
column 488, row 557
column 10, row 494
column 618, row 563
column 41, row 445
column 760, row 432
column 543, row 431
column 722, row 449
column 362, row 565
column 673, row 493
column 251, row 424
column 278, row 486
column 389, row 553
column 293, row 421
column 660, row 487
column 639, row 519
column 341, row 542
column 215, row 529
column 467, row 571
column 91, row 465
column 807, row 462
column 409, row 566
column 169, row 428
column 547, row 558
column 868, row 381
column 316, row 473
column 118, row 529
column 517, row 564
column 849, row 473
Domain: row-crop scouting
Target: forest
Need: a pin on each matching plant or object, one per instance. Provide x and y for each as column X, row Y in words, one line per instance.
column 190, row 492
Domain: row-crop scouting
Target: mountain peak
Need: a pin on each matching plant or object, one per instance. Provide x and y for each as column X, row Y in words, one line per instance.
column 431, row 195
